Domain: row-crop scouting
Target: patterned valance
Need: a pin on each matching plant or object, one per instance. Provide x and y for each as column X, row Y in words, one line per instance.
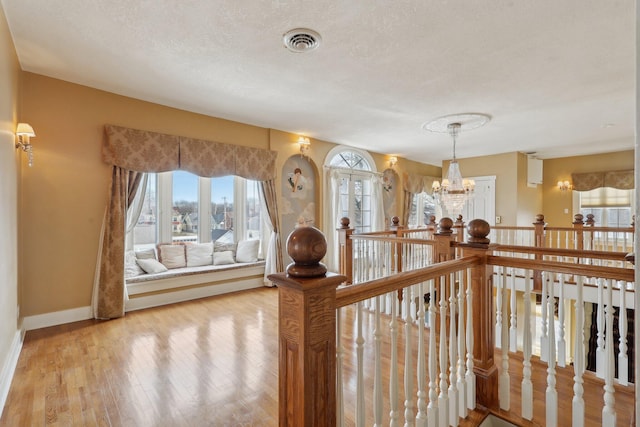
column 622, row 180
column 417, row 183
column 145, row 151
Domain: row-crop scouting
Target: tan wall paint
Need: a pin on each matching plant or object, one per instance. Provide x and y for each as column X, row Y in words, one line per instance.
column 10, row 169
column 554, row 170
column 65, row 193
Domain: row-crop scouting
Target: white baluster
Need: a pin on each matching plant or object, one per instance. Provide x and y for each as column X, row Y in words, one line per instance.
column 608, row 412
column 421, row 418
column 501, row 283
column 470, row 376
column 462, row 384
column 504, row 381
column 578, row 358
column 413, row 311
column 377, row 379
column 432, row 407
column 562, row 345
column 544, row 338
column 394, row 414
column 360, row 409
column 409, row 404
column 600, row 362
column 339, row 361
column 623, row 359
column 551, row 395
column 443, row 399
column 527, row 386
column 513, row 323
column 453, row 355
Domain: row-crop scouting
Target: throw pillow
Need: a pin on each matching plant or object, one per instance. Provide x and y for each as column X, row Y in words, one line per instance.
column 247, row 251
column 172, row 256
column 224, row 257
column 199, row 254
column 131, row 268
column 151, row 266
column 146, row 254
column 223, row 247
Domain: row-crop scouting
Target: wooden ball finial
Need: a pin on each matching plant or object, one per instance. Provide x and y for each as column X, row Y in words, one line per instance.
column 344, row 222
column 306, row 246
column 478, row 231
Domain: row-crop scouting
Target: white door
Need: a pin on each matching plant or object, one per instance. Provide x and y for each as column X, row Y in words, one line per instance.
column 483, row 204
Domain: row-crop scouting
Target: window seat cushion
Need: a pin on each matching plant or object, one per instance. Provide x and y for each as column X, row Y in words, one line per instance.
column 190, row 271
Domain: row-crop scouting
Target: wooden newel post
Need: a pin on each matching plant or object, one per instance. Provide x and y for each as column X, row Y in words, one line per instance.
column 483, row 315
column 345, row 249
column 443, row 251
column 539, row 243
column 578, row 227
column 307, row 333
column 459, row 226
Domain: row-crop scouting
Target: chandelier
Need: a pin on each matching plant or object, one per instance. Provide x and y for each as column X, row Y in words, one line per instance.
column 454, row 191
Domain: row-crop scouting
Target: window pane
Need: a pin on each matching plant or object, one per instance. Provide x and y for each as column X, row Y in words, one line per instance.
column 222, row 209
column 253, row 210
column 145, row 232
column 184, row 218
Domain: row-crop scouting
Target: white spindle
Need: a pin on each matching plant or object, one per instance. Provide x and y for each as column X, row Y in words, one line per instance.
column 544, row 339
column 443, row 400
column 513, row 322
column 453, row 354
column 339, row 361
column 562, row 345
column 551, row 395
column 600, row 362
column 421, row 418
column 409, row 403
column 504, row 381
column 432, row 407
column 462, row 384
column 394, row 414
column 608, row 412
column 501, row 284
column 377, row 379
column 360, row 409
column 527, row 386
column 578, row 359
column 623, row 359
column 470, row 376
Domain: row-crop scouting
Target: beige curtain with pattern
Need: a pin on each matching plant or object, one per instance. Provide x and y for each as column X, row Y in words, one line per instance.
column 274, row 262
column 622, row 180
column 412, row 185
column 133, row 152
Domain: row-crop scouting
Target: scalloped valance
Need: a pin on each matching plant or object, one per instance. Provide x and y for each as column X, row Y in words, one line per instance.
column 417, row 183
column 145, row 151
column 622, row 180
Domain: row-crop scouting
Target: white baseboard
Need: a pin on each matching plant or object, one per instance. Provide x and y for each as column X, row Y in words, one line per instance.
column 156, row 300
column 9, row 368
column 57, row 318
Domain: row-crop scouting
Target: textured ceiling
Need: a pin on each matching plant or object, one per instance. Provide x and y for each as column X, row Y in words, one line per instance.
column 558, row 77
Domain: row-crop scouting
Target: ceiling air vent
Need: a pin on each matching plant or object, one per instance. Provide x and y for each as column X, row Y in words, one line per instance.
column 301, row 40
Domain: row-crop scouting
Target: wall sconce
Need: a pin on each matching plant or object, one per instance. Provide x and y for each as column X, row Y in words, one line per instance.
column 304, row 144
column 24, row 132
column 564, row 185
column 393, row 160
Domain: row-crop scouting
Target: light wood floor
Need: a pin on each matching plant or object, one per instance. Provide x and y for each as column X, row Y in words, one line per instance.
column 209, row 362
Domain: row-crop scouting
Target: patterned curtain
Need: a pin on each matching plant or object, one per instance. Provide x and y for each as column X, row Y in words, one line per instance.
column 622, row 180
column 133, row 152
column 274, row 262
column 414, row 184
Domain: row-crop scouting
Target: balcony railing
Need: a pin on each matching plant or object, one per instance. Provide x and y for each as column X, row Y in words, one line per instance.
column 432, row 314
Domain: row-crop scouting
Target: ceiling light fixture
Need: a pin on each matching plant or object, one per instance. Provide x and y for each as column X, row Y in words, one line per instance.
column 454, row 191
column 301, row 40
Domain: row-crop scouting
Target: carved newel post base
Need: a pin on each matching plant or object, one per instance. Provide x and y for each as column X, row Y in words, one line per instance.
column 307, row 333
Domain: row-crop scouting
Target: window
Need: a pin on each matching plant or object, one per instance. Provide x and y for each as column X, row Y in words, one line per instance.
column 182, row 207
column 422, row 207
column 610, row 207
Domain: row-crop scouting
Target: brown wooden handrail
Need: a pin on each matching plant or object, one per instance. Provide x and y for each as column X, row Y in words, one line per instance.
column 354, row 293
column 573, row 253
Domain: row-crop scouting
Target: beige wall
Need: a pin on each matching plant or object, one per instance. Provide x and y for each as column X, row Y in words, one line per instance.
column 554, row 201
column 529, row 202
column 10, row 169
column 65, row 192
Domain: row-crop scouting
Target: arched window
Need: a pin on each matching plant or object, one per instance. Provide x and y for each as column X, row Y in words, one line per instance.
column 353, row 191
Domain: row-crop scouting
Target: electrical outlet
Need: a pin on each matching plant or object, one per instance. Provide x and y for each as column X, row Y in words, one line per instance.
column 566, row 210
column 498, row 219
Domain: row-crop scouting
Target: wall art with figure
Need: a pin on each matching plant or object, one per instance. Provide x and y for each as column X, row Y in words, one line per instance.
column 298, row 196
